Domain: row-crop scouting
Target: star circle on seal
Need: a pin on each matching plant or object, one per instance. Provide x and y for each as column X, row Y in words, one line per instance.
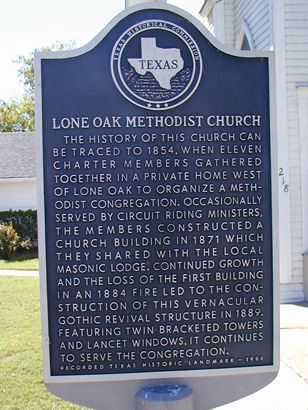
column 156, row 65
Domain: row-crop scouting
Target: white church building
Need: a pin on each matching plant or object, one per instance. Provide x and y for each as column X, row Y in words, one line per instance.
column 281, row 26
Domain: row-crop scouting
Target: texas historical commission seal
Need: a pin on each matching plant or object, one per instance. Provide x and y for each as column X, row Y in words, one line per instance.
column 156, row 65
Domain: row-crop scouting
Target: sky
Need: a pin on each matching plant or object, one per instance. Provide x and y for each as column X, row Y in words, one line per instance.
column 29, row 24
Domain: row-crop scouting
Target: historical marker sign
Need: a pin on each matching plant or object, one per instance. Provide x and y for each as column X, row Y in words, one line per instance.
column 156, row 225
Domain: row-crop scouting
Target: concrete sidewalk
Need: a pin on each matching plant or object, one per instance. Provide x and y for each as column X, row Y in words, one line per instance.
column 289, row 391
column 33, row 273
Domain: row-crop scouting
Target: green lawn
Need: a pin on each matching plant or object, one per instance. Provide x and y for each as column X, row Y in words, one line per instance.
column 23, row 261
column 21, row 375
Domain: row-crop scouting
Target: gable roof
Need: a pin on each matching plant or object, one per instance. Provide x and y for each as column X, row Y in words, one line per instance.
column 17, row 155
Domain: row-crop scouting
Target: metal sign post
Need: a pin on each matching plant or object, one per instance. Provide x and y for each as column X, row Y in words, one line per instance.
column 130, row 3
column 157, row 224
column 165, row 397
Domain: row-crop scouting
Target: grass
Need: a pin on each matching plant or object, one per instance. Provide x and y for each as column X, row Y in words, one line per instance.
column 21, row 374
column 21, row 261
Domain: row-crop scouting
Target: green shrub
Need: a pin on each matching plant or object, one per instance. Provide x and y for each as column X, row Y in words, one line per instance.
column 25, row 223
column 9, row 241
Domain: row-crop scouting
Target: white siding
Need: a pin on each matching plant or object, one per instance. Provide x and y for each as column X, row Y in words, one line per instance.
column 285, row 23
column 303, row 135
column 257, row 15
column 296, row 32
column 222, row 17
column 196, row 8
column 17, row 194
column 291, row 293
column 229, row 23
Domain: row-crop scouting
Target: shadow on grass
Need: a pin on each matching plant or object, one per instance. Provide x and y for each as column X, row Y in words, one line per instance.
column 24, row 256
column 26, row 260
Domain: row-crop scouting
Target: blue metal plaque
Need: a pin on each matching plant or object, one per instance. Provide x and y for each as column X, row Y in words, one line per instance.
column 157, row 192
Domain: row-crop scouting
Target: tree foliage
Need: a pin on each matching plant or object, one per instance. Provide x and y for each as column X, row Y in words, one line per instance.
column 17, row 114
column 10, row 241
